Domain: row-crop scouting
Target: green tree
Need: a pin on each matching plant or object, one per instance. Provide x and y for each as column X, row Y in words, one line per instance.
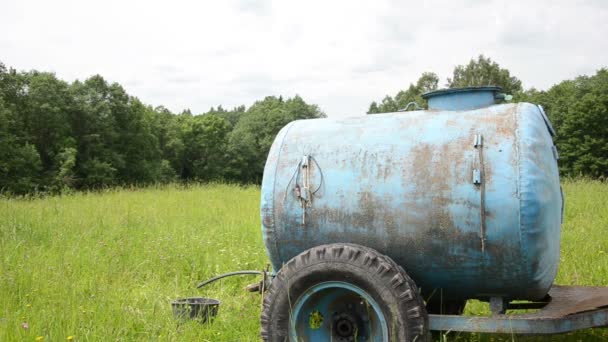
column 428, row 81
column 232, row 117
column 20, row 164
column 253, row 135
column 206, row 153
column 116, row 143
column 578, row 110
column 167, row 129
column 66, row 175
column 45, row 118
column 94, row 130
column 484, row 72
column 135, row 143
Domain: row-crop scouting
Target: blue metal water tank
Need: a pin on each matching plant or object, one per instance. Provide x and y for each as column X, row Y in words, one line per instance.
column 465, row 196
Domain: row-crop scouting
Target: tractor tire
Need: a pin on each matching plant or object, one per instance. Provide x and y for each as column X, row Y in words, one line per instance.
column 342, row 268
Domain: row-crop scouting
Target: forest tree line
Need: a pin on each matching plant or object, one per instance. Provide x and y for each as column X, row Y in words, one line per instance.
column 91, row 134
column 56, row 135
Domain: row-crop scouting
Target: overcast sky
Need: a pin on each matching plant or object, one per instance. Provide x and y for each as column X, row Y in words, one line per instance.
column 340, row 55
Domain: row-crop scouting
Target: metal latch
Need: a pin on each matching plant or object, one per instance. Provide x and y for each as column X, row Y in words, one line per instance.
column 477, row 180
column 477, row 177
column 478, row 143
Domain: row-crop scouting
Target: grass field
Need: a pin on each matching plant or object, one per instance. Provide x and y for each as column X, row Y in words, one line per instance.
column 105, row 266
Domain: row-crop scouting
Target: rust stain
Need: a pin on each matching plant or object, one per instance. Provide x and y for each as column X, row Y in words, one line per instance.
column 503, row 123
column 267, row 217
column 409, row 237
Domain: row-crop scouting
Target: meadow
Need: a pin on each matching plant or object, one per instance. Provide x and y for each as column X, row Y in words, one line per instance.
column 105, row 266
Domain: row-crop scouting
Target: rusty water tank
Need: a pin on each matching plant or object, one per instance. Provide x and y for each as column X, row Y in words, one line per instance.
column 465, row 196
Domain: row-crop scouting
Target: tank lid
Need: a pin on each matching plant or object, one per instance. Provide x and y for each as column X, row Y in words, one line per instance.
column 463, row 98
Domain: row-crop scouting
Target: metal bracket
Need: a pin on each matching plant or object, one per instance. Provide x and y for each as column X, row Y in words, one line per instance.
column 476, row 176
column 498, row 305
column 478, row 141
column 564, row 309
column 305, row 160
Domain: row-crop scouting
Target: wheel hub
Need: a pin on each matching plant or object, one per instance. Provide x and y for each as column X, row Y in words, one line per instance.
column 345, row 327
column 351, row 315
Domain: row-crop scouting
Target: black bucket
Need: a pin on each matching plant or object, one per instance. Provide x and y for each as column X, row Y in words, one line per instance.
column 195, row 308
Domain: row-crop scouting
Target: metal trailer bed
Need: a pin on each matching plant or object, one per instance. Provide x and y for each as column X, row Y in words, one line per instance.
column 565, row 309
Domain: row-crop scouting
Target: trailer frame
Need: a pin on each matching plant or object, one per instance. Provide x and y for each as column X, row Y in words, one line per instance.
column 565, row 309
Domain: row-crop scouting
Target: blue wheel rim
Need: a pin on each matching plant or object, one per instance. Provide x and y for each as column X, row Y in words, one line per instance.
column 337, row 311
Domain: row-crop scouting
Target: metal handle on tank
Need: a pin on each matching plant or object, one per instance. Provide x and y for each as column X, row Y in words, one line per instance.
column 478, row 180
column 413, row 103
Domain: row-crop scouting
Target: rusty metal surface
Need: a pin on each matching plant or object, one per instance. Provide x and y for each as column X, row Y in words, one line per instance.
column 567, row 300
column 570, row 308
column 401, row 183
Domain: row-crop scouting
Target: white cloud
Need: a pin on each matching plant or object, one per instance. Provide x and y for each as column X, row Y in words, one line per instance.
column 339, row 54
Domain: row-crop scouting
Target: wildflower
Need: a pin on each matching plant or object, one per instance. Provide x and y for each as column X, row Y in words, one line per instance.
column 25, row 326
column 29, row 305
column 70, row 338
column 40, row 338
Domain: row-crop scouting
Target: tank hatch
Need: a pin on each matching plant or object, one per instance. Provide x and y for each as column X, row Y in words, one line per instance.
column 464, row 98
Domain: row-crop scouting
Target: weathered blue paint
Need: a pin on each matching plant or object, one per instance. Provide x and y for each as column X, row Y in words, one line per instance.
column 330, row 297
column 402, row 183
column 462, row 98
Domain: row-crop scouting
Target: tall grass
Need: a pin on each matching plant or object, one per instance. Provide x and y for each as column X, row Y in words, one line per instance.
column 105, row 266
